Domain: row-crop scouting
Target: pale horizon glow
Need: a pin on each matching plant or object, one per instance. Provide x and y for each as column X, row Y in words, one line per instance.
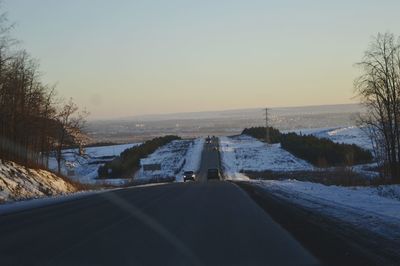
column 127, row 58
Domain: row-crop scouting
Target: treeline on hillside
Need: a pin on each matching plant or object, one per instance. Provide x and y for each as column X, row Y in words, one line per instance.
column 320, row 152
column 129, row 161
column 324, row 152
column 33, row 122
column 260, row 133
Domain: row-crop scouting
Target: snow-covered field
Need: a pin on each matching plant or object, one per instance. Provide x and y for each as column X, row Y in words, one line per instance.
column 19, row 183
column 241, row 153
column 85, row 167
column 348, row 135
column 373, row 208
column 174, row 158
column 245, row 153
column 185, row 154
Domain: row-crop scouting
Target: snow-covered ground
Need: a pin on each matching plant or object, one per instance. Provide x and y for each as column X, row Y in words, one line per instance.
column 192, row 158
column 174, row 158
column 348, row 135
column 245, row 153
column 373, row 208
column 19, row 183
column 85, row 167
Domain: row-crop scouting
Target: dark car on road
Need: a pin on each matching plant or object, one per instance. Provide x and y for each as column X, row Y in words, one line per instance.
column 189, row 175
column 213, row 174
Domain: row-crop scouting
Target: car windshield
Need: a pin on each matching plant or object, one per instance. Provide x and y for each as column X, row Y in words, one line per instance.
column 212, row 132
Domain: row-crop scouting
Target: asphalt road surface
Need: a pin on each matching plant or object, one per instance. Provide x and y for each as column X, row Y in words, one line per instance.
column 209, row 159
column 195, row 223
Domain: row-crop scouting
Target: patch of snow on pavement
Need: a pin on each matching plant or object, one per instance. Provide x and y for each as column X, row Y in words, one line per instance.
column 373, row 208
column 245, row 153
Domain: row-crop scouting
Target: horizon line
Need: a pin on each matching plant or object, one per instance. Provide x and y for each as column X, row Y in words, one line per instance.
column 212, row 111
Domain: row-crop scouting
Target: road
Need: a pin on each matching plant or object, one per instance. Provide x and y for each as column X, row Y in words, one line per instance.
column 196, row 223
column 209, row 159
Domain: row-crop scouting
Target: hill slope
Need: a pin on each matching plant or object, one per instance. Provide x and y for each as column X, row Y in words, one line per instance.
column 19, row 183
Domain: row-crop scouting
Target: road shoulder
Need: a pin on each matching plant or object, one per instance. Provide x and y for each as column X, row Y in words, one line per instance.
column 331, row 241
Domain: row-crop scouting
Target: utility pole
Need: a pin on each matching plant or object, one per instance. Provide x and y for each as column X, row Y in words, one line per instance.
column 267, row 136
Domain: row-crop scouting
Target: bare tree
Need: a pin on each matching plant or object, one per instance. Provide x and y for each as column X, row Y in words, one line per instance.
column 70, row 129
column 31, row 124
column 379, row 90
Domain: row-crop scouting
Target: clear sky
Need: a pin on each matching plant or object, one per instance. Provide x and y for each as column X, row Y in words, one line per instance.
column 125, row 57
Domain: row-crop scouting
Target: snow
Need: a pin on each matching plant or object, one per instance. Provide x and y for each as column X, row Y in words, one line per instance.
column 348, row 135
column 366, row 170
column 372, row 208
column 85, row 167
column 19, row 183
column 177, row 155
column 245, row 153
column 174, row 158
column 170, row 157
column 192, row 158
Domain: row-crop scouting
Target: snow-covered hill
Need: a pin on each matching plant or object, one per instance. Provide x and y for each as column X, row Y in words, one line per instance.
column 348, row 135
column 83, row 169
column 174, row 158
column 245, row 153
column 19, row 183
